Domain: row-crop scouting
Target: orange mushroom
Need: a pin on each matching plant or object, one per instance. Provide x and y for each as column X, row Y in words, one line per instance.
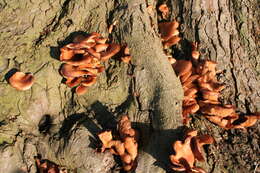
column 171, row 41
column 210, row 95
column 70, row 71
column 217, row 110
column 72, row 82
column 66, row 53
column 101, row 47
column 168, row 29
column 182, row 67
column 188, row 151
column 195, row 53
column 21, row 81
column 89, row 80
column 126, row 147
column 81, row 89
column 246, row 121
column 112, row 49
column 105, row 138
column 196, row 144
column 80, row 60
column 164, row 10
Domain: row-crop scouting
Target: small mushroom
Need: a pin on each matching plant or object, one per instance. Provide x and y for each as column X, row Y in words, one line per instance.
column 80, row 60
column 195, row 53
column 196, row 144
column 70, row 71
column 21, row 81
column 88, row 81
column 105, row 138
column 210, row 95
column 72, row 82
column 247, row 121
column 170, row 42
column 188, row 151
column 168, row 29
column 164, row 10
column 66, row 53
column 182, row 67
column 217, row 110
column 81, row 89
column 101, row 47
column 112, row 49
column 190, row 92
column 185, row 76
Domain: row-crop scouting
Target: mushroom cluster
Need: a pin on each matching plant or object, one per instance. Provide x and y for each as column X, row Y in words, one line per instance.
column 200, row 77
column 125, row 145
column 186, row 72
column 21, row 81
column 188, row 151
column 169, row 33
column 82, row 60
column 224, row 116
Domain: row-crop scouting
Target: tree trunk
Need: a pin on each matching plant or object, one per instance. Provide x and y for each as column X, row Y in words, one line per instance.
column 32, row 31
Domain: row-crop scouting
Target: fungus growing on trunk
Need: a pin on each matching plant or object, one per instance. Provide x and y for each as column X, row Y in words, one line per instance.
column 169, row 33
column 188, row 151
column 82, row 60
column 125, row 145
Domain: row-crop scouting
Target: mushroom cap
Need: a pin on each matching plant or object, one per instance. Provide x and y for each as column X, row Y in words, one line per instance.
column 80, row 60
column 189, row 102
column 210, row 95
column 182, row 67
column 126, row 59
column 21, row 81
column 72, row 82
column 71, row 71
column 66, row 53
column 190, row 92
column 126, row 158
column 249, row 120
column 131, row 147
column 195, row 54
column 105, row 137
column 101, row 47
column 183, row 151
column 217, row 110
column 171, row 41
column 88, row 81
column 81, row 89
column 196, row 145
column 112, row 49
column 167, row 29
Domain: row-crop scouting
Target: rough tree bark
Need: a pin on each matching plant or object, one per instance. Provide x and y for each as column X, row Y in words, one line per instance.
column 32, row 31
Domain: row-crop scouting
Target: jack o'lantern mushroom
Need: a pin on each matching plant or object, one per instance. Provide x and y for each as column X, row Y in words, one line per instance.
column 21, row 81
